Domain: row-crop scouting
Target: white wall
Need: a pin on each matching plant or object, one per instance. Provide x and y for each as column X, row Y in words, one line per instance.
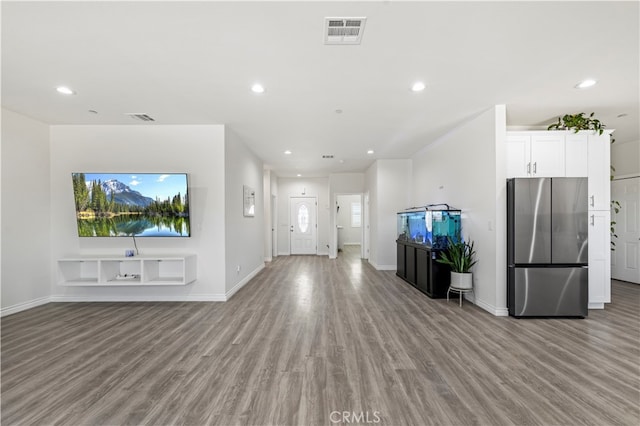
column 348, row 234
column 466, row 169
column 309, row 187
column 244, row 245
column 26, row 211
column 625, row 157
column 196, row 150
column 394, row 189
column 341, row 183
column 389, row 185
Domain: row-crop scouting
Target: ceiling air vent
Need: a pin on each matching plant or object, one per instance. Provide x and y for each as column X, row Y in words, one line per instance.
column 327, row 156
column 140, row 117
column 343, row 30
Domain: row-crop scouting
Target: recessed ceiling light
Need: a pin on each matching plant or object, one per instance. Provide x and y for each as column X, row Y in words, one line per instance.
column 65, row 90
column 299, row 175
column 370, row 152
column 586, row 83
column 257, row 88
column 418, row 86
column 287, row 152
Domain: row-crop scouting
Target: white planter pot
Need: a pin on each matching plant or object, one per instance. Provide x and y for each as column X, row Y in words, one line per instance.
column 463, row 281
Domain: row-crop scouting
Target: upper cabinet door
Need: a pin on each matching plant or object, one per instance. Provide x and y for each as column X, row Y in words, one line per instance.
column 576, row 155
column 518, row 156
column 547, row 155
column 599, row 147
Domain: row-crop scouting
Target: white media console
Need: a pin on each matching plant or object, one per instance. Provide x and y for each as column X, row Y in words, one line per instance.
column 127, row 271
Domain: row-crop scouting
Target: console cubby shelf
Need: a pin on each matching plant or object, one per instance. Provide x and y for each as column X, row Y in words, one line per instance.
column 108, row 271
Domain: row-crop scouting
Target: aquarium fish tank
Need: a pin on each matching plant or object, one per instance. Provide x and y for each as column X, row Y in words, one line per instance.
column 429, row 226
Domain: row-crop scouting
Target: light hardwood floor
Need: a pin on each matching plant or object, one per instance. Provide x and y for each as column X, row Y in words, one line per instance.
column 310, row 338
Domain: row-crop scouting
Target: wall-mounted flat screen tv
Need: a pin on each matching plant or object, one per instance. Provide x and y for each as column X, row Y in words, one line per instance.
column 131, row 204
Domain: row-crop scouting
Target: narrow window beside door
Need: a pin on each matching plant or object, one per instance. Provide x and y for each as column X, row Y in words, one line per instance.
column 356, row 215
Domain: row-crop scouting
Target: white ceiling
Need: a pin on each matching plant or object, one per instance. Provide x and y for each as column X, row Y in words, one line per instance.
column 194, row 62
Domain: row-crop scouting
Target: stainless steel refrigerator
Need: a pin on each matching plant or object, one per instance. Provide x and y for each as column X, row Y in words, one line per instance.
column 547, row 252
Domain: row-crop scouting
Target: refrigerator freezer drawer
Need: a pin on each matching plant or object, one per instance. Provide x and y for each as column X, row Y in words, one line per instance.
column 548, row 292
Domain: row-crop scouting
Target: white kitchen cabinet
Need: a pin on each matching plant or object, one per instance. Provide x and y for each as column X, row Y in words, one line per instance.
column 576, row 154
column 599, row 259
column 599, row 163
column 535, row 155
column 547, row 155
column 518, row 153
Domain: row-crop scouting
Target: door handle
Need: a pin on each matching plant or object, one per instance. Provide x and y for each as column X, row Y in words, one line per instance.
column 593, row 200
column 593, row 220
column 529, row 168
column 535, row 167
column 291, row 228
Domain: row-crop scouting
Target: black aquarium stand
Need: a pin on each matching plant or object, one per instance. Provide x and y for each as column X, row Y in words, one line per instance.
column 417, row 265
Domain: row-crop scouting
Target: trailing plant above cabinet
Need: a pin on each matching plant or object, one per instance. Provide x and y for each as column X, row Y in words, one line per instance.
column 577, row 122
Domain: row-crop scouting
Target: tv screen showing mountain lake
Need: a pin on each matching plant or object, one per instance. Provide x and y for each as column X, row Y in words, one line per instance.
column 131, row 204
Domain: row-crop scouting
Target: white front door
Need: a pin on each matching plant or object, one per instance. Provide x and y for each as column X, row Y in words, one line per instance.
column 625, row 259
column 303, row 225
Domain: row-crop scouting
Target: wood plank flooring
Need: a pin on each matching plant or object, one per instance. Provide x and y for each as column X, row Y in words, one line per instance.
column 313, row 341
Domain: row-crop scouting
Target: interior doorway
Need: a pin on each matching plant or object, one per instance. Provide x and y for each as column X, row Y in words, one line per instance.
column 625, row 259
column 303, row 225
column 349, row 220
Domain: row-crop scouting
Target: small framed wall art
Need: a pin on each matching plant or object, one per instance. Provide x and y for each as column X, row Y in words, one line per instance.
column 249, row 201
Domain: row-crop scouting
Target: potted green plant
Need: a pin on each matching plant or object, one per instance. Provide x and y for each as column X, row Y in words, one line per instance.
column 577, row 122
column 460, row 256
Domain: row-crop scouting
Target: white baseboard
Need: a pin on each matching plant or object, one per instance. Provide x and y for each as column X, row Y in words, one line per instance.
column 14, row 309
column 498, row 312
column 383, row 267
column 596, row 305
column 214, row 297
column 268, row 259
column 319, row 253
column 351, row 244
column 243, row 282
